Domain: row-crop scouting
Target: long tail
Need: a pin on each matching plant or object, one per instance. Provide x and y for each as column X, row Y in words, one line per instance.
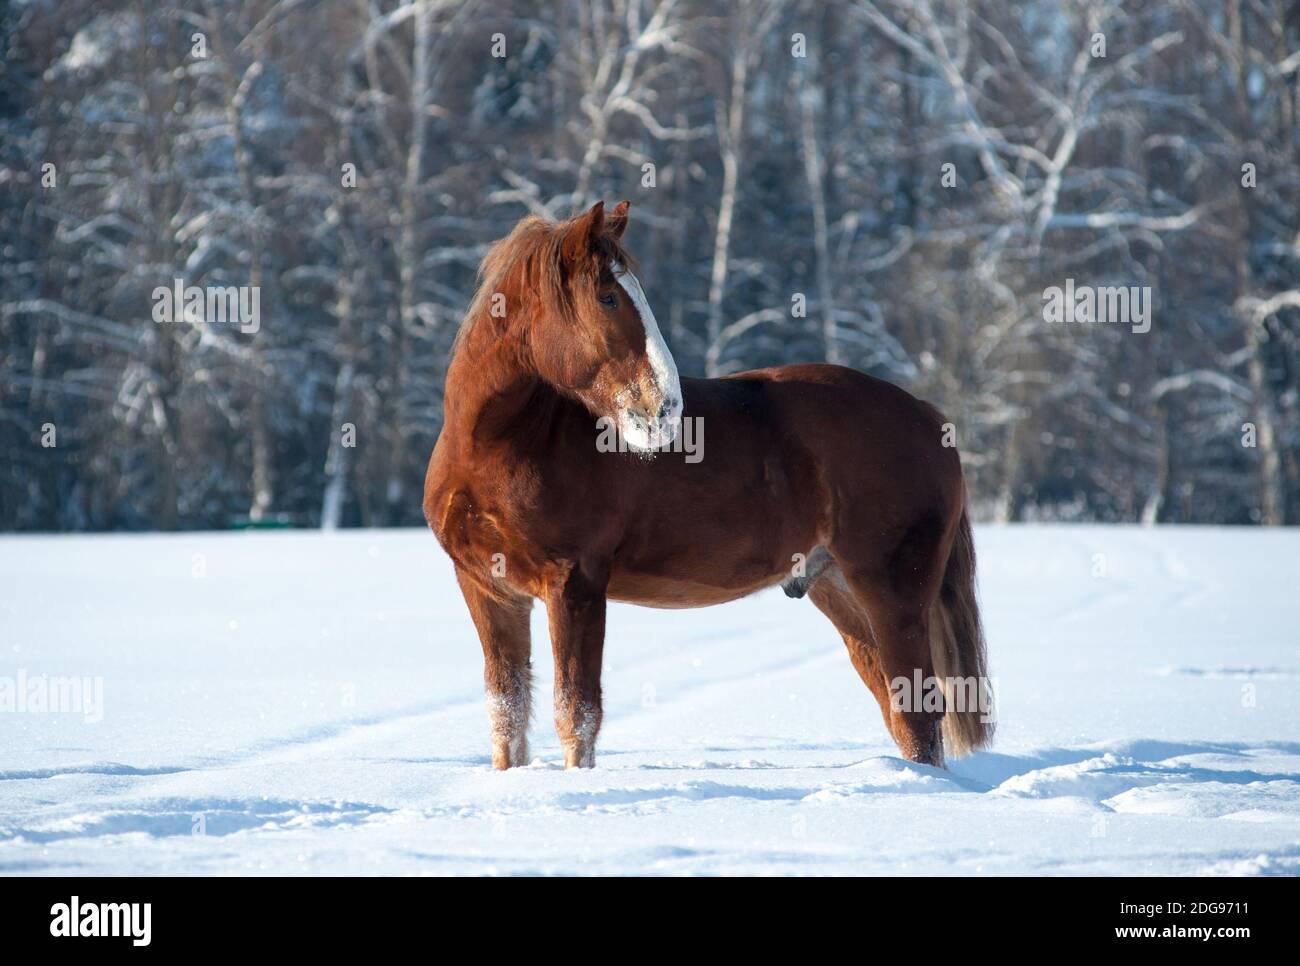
column 958, row 651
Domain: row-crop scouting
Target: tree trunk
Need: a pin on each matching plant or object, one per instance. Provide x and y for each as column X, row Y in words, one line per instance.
column 730, row 131
column 1158, row 498
column 408, row 256
column 1272, row 493
column 814, row 171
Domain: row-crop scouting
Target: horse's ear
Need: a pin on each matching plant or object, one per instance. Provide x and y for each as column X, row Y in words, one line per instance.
column 582, row 234
column 616, row 220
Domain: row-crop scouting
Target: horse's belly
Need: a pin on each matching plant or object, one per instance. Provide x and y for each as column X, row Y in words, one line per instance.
column 651, row 590
column 711, row 547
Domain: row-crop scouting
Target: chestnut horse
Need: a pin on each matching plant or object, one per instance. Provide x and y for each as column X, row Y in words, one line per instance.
column 817, row 477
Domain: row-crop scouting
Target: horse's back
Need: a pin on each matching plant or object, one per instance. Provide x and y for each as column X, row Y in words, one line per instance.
column 879, row 450
column 820, row 383
column 834, row 405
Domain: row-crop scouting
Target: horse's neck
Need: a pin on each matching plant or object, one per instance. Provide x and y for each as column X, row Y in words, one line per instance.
column 491, row 393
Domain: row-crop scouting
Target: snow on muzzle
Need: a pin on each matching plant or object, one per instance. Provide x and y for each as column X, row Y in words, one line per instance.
column 654, row 426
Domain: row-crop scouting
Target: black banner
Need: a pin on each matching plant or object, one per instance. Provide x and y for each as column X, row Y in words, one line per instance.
column 137, row 916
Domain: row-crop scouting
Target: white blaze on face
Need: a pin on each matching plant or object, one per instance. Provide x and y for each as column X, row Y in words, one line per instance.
column 658, row 431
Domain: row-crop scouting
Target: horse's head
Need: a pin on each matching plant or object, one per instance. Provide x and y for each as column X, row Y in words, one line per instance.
column 596, row 338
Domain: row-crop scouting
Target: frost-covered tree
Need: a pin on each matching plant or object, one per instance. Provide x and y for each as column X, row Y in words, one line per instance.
column 891, row 184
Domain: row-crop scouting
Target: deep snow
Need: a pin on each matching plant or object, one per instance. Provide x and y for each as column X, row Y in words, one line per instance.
column 312, row 703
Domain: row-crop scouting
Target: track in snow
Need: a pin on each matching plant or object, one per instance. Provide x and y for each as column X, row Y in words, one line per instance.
column 312, row 703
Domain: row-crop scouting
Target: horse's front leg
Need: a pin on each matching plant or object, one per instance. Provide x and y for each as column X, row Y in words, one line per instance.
column 575, row 604
column 507, row 671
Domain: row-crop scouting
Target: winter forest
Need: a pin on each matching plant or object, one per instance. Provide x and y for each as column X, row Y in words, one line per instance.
column 894, row 185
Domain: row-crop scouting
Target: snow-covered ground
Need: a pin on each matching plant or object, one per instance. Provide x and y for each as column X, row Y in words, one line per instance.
column 303, row 702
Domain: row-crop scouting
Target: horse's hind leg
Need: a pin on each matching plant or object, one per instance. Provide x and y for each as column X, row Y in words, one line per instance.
column 902, row 631
column 507, row 671
column 833, row 598
column 888, row 640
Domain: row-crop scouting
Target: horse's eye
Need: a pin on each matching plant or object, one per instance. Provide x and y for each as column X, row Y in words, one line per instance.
column 611, row 300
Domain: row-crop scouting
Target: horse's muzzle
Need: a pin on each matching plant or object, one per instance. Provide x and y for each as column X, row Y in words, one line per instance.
column 647, row 432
